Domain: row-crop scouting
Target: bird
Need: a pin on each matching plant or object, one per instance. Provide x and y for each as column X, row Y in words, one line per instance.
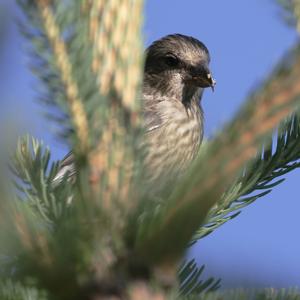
column 176, row 72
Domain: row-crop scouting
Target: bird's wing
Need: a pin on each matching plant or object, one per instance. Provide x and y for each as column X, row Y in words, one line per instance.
column 152, row 120
column 152, row 113
column 66, row 168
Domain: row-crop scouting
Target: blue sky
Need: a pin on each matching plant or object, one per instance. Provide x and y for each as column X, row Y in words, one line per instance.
column 246, row 38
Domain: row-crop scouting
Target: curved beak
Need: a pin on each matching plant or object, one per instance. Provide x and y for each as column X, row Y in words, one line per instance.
column 202, row 77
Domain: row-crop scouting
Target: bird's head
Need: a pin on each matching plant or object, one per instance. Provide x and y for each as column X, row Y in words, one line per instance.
column 177, row 62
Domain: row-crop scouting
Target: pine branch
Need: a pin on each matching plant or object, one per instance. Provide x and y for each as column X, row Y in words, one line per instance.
column 190, row 283
column 85, row 45
column 259, row 178
column 116, row 63
column 64, row 66
column 11, row 290
column 44, row 63
column 34, row 179
column 117, row 54
column 41, row 223
column 112, row 127
column 244, row 294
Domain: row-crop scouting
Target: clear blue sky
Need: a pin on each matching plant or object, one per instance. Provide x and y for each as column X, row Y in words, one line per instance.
column 260, row 247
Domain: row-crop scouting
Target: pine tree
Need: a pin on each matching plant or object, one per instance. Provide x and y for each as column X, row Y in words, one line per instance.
column 102, row 236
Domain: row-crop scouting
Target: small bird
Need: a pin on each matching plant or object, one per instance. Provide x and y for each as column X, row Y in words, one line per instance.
column 175, row 74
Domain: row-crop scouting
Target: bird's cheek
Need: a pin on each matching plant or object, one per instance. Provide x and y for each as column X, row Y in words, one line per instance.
column 193, row 81
column 188, row 79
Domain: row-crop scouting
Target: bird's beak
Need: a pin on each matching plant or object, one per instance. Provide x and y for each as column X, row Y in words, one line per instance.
column 203, row 78
column 212, row 82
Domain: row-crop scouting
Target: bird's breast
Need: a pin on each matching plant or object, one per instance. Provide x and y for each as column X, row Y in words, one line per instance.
column 175, row 141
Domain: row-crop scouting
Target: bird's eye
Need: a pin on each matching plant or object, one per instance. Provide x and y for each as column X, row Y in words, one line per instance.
column 171, row 60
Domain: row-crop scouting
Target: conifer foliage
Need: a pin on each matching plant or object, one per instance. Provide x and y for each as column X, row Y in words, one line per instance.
column 101, row 236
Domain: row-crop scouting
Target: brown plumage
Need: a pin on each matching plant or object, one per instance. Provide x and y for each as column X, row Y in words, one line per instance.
column 176, row 72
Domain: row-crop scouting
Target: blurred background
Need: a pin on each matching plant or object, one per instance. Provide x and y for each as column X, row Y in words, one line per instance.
column 259, row 248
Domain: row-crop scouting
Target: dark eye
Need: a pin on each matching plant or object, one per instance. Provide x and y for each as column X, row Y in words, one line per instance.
column 171, row 60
